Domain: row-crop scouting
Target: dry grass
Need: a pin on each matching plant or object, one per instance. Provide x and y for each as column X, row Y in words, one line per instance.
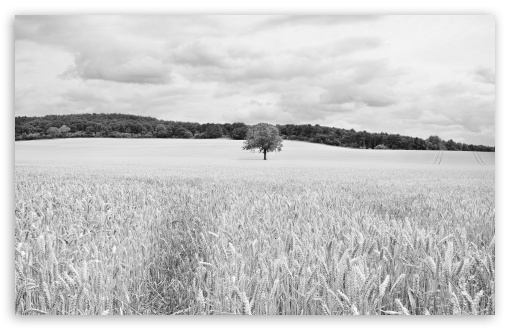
column 254, row 240
column 100, row 243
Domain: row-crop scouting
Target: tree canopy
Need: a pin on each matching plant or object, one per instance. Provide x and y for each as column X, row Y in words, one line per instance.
column 115, row 125
column 64, row 129
column 263, row 137
column 53, row 131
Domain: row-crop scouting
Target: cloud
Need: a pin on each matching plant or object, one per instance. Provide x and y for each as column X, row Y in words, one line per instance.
column 306, row 105
column 342, row 47
column 485, row 75
column 429, row 117
column 468, row 104
column 50, row 30
column 358, row 72
column 281, row 68
column 360, row 83
column 132, row 59
column 206, row 61
column 318, row 20
column 253, row 115
column 370, row 95
column 137, row 70
column 200, row 53
column 97, row 53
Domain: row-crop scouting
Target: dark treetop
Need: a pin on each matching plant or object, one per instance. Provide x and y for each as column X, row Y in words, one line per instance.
column 264, row 138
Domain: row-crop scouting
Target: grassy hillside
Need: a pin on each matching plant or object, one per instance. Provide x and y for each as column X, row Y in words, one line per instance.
column 229, row 153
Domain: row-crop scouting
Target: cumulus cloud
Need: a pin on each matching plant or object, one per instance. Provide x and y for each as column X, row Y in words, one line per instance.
column 97, row 53
column 140, row 69
column 200, row 53
column 370, row 95
column 208, row 60
column 212, row 61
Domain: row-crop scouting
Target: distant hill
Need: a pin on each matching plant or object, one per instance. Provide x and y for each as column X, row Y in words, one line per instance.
column 131, row 126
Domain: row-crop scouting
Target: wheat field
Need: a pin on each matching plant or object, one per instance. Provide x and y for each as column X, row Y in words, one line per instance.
column 108, row 227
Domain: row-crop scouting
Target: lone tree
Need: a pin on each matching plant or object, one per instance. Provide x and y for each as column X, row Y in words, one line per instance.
column 264, row 137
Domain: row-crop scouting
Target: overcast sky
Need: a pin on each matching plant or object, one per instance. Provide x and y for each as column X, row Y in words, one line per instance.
column 413, row 75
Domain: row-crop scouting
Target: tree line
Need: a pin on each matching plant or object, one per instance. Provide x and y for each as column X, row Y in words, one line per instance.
column 132, row 126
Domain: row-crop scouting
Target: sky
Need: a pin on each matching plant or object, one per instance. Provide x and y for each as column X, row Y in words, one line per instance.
column 416, row 75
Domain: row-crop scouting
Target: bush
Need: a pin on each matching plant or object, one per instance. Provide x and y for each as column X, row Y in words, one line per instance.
column 53, row 132
column 182, row 133
column 239, row 133
column 77, row 134
column 213, row 131
column 381, row 146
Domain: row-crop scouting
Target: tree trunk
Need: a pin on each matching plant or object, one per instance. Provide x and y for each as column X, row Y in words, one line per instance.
column 264, row 154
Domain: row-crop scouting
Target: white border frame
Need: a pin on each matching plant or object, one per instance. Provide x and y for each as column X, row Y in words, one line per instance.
column 500, row 9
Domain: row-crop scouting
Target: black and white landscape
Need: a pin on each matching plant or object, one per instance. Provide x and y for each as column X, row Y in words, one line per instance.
column 298, row 165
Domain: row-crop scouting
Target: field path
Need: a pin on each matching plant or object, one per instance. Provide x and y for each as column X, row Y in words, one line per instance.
column 477, row 160
column 440, row 159
column 437, row 157
column 480, row 158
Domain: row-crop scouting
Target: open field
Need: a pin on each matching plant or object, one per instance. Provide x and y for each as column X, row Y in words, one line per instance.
column 107, row 226
column 229, row 153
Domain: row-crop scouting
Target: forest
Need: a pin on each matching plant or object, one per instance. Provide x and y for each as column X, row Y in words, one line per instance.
column 132, row 126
